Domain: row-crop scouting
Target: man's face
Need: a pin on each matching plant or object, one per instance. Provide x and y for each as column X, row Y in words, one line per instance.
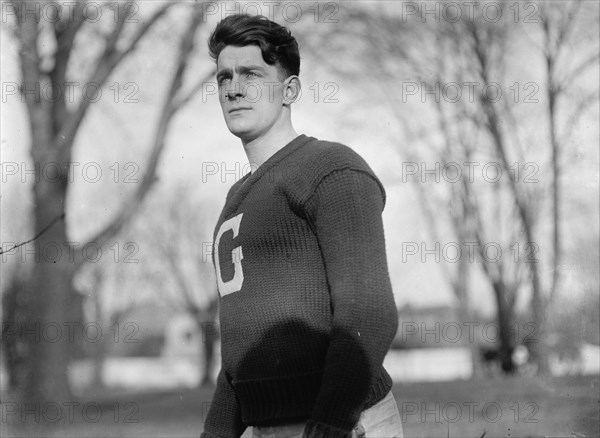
column 250, row 91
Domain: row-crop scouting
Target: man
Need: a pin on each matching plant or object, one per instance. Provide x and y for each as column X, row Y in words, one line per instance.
column 307, row 311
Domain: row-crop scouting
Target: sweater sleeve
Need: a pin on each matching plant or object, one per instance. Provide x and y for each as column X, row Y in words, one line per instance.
column 345, row 213
column 224, row 418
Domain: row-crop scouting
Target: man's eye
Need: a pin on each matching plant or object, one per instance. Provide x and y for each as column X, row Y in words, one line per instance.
column 223, row 81
column 251, row 74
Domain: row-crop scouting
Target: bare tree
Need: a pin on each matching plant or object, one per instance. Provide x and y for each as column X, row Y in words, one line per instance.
column 563, row 78
column 106, row 311
column 180, row 234
column 431, row 54
column 557, row 26
column 54, row 126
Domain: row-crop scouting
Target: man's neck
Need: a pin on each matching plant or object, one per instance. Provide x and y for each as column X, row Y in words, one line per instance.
column 261, row 149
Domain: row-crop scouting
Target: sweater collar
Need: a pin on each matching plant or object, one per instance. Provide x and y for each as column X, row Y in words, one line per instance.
column 248, row 180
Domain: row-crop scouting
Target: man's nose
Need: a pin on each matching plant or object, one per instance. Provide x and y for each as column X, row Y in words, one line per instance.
column 234, row 90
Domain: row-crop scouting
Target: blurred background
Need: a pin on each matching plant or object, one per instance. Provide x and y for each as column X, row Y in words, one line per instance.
column 480, row 118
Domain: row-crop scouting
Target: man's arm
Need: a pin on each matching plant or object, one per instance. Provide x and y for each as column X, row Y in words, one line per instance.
column 224, row 419
column 345, row 213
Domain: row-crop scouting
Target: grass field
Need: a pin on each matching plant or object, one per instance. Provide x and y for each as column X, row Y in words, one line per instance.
column 513, row 407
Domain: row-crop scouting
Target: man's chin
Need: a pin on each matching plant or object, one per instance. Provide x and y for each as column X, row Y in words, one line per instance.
column 241, row 133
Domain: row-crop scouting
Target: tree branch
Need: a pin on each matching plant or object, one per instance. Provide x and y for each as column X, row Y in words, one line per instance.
column 592, row 61
column 46, row 228
column 579, row 110
column 105, row 66
column 169, row 109
column 65, row 31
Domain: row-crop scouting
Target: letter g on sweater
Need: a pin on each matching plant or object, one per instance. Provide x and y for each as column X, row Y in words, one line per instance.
column 234, row 284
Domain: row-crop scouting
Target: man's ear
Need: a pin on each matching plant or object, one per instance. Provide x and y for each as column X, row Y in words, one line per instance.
column 291, row 89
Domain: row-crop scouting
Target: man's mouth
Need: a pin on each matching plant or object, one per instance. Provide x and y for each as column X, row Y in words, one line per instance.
column 239, row 109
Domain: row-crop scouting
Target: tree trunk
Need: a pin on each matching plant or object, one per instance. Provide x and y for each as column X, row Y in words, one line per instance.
column 52, row 311
column 50, row 333
column 505, row 332
column 208, row 344
column 210, row 336
column 99, row 348
column 538, row 351
column 12, row 354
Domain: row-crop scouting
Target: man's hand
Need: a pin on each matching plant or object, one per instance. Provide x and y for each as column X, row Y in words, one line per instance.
column 358, row 431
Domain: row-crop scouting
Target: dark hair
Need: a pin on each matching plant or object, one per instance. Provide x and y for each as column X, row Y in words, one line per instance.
column 276, row 42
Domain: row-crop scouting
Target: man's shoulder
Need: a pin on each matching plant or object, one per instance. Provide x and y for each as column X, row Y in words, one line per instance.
column 322, row 157
column 303, row 170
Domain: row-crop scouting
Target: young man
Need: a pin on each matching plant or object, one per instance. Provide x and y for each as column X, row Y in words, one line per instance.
column 307, row 311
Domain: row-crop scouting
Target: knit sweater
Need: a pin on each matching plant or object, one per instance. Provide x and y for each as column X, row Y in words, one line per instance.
column 307, row 311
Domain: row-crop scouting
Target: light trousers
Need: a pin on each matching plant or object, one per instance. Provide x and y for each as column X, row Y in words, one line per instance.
column 379, row 421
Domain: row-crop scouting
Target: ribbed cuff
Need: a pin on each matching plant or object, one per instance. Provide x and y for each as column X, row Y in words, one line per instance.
column 266, row 401
column 314, row 429
column 210, row 435
column 382, row 385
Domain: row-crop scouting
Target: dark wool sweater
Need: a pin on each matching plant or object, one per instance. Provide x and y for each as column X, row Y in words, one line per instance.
column 307, row 311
